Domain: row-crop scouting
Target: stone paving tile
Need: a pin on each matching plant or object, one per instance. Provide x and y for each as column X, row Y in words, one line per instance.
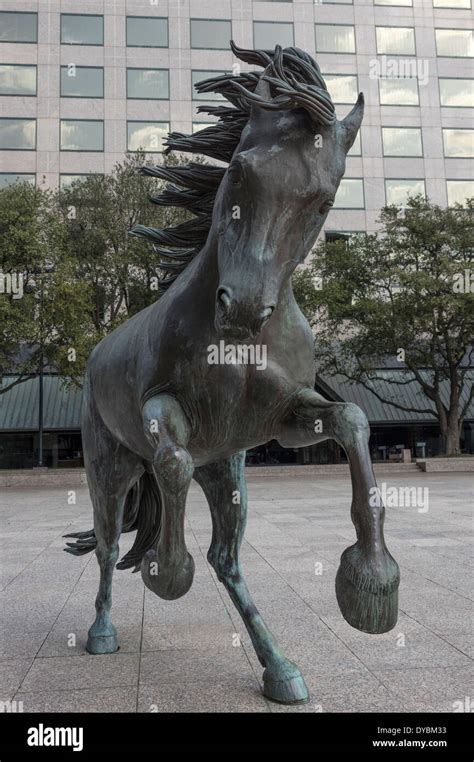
column 18, row 641
column 353, row 691
column 186, row 636
column 76, row 672
column 220, row 695
column 188, row 660
column 119, row 699
column 193, row 665
column 423, row 686
column 409, row 644
column 12, row 672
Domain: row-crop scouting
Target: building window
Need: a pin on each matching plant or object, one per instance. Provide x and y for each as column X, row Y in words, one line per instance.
column 198, row 126
column 146, row 136
column 11, row 178
column 408, row 3
column 458, row 143
column 455, row 43
column 82, row 81
column 397, row 192
column 452, row 4
column 337, row 2
column 81, row 135
column 210, row 34
column 17, row 79
column 18, row 27
column 457, row 93
column 395, row 40
column 350, row 194
column 65, row 181
column 147, row 32
column 267, row 34
column 459, row 191
column 148, row 84
column 78, row 29
column 398, row 92
column 18, row 134
column 335, row 39
column 402, row 141
column 342, row 87
column 199, row 75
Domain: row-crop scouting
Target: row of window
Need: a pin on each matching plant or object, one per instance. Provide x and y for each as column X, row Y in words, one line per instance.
column 409, row 3
column 153, row 84
column 82, row 135
column 88, row 135
column 215, row 34
column 86, row 81
column 350, row 194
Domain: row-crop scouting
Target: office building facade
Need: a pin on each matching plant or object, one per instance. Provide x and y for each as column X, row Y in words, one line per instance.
column 81, row 83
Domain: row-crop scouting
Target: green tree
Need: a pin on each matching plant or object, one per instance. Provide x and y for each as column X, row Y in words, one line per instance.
column 120, row 270
column 404, row 291
column 41, row 301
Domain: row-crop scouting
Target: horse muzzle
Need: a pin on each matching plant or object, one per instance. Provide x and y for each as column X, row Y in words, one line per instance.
column 238, row 319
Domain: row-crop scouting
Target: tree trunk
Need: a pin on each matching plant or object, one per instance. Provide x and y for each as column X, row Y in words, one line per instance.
column 452, row 437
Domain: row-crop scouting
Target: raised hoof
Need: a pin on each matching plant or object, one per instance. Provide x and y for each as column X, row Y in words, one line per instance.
column 102, row 644
column 368, row 595
column 285, row 689
column 168, row 583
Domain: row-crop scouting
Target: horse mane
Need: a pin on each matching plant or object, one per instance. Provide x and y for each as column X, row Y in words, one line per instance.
column 294, row 79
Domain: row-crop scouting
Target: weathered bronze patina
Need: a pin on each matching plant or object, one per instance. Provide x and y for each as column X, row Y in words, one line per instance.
column 157, row 413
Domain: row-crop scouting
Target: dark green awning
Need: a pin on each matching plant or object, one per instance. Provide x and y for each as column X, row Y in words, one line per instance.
column 61, row 405
column 62, row 402
column 409, row 395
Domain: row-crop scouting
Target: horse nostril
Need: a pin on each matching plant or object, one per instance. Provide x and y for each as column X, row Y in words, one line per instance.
column 224, row 297
column 267, row 311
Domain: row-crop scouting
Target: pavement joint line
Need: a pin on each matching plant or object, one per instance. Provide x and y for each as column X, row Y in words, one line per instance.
column 447, row 561
column 308, row 605
column 73, row 689
column 434, row 582
column 359, row 659
column 230, row 613
column 56, row 619
column 140, row 649
column 425, row 627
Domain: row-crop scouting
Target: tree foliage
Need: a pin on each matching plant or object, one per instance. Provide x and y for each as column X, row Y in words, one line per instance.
column 406, row 291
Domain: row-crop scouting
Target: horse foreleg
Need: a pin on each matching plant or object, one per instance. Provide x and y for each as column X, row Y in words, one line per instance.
column 168, row 569
column 368, row 577
column 224, row 485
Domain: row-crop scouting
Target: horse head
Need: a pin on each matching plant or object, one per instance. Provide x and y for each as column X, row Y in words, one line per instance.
column 278, row 188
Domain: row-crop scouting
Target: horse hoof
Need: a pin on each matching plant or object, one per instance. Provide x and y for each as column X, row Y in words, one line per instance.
column 367, row 594
column 102, row 644
column 285, row 686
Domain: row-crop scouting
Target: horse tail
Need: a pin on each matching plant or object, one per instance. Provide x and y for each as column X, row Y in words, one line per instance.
column 142, row 512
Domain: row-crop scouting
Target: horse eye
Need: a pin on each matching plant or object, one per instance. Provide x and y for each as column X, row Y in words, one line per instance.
column 326, row 205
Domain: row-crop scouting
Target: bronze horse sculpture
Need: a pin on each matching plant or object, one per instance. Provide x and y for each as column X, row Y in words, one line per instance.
column 157, row 413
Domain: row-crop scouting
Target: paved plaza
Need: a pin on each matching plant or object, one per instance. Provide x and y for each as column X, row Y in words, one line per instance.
column 185, row 655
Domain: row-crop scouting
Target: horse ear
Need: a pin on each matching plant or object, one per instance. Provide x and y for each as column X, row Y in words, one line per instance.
column 351, row 123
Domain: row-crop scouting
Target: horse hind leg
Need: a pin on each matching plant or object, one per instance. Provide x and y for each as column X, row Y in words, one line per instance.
column 111, row 472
